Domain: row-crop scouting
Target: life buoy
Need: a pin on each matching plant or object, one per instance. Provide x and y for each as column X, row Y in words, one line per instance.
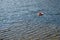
column 40, row 13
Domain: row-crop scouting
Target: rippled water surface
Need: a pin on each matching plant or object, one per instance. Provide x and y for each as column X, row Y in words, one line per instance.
column 17, row 11
column 18, row 19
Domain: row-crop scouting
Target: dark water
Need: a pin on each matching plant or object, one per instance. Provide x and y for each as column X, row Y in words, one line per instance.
column 20, row 16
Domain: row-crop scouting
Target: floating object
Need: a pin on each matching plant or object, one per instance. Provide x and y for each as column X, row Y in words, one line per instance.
column 40, row 13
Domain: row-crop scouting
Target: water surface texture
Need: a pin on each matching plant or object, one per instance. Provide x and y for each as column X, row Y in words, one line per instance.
column 19, row 19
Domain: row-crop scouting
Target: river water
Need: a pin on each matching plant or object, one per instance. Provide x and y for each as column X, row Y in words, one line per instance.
column 23, row 14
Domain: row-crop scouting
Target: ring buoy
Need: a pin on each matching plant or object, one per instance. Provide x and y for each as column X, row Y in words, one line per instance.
column 40, row 13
